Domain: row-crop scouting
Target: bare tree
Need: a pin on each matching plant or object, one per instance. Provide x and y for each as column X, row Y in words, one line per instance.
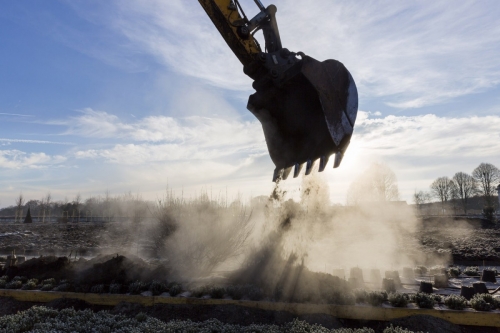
column 19, row 208
column 487, row 175
column 454, row 198
column 377, row 183
column 466, row 186
column 136, row 208
column 77, row 202
column 421, row 198
column 442, row 189
column 48, row 199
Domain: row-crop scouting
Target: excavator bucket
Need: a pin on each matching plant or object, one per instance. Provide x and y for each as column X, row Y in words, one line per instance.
column 307, row 108
column 309, row 118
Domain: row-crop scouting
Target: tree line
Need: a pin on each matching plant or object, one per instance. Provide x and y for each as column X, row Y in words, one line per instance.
column 462, row 187
column 104, row 206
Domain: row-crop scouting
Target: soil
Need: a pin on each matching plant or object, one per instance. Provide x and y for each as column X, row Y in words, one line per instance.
column 464, row 241
column 104, row 269
column 469, row 242
column 84, row 239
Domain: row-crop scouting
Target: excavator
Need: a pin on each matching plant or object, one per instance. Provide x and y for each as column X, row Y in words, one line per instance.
column 307, row 108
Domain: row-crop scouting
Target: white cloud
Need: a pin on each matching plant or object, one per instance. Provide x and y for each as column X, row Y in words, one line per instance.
column 16, row 159
column 411, row 54
column 430, row 135
column 419, row 149
column 160, row 138
column 9, row 141
column 196, row 152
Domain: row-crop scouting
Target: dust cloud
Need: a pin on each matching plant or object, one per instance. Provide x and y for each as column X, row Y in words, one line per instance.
column 284, row 246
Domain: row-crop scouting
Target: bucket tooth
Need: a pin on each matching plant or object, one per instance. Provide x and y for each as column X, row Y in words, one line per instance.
column 338, row 159
column 297, row 169
column 277, row 174
column 309, row 166
column 286, row 173
column 323, row 160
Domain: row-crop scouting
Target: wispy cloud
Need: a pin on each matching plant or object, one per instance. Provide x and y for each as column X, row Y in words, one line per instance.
column 411, row 54
column 196, row 132
column 16, row 159
column 200, row 151
column 9, row 141
column 430, row 136
column 16, row 114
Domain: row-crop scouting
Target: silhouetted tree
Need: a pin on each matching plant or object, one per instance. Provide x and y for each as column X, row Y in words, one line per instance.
column 442, row 189
column 466, row 187
column 28, row 218
column 487, row 175
column 19, row 208
column 420, row 198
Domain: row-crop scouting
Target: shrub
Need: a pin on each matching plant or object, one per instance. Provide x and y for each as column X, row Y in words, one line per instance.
column 157, row 287
column 23, row 279
column 98, row 289
column 483, row 302
column 49, row 281
column 425, row 301
column 64, row 287
column 471, row 271
column 115, row 288
column 360, row 295
column 253, row 293
column 375, row 298
column 341, row 298
column 398, row 300
column 35, row 281
column 236, row 292
column 479, row 304
column 14, row 285
column 217, row 292
column 200, row 291
column 42, row 319
column 5, row 278
column 174, row 289
column 455, row 302
column 392, row 329
column 82, row 288
column 2, row 283
column 454, row 272
column 141, row 317
column 137, row 287
column 30, row 285
column 47, row 287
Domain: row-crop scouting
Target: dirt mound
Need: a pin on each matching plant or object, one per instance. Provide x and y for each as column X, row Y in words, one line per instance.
column 43, row 268
column 109, row 269
column 100, row 270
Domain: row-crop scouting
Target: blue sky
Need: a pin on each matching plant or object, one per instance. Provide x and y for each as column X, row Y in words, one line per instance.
column 134, row 95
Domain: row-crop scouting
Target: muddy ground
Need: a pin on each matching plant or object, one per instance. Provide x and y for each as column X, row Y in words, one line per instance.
column 469, row 242
column 462, row 241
